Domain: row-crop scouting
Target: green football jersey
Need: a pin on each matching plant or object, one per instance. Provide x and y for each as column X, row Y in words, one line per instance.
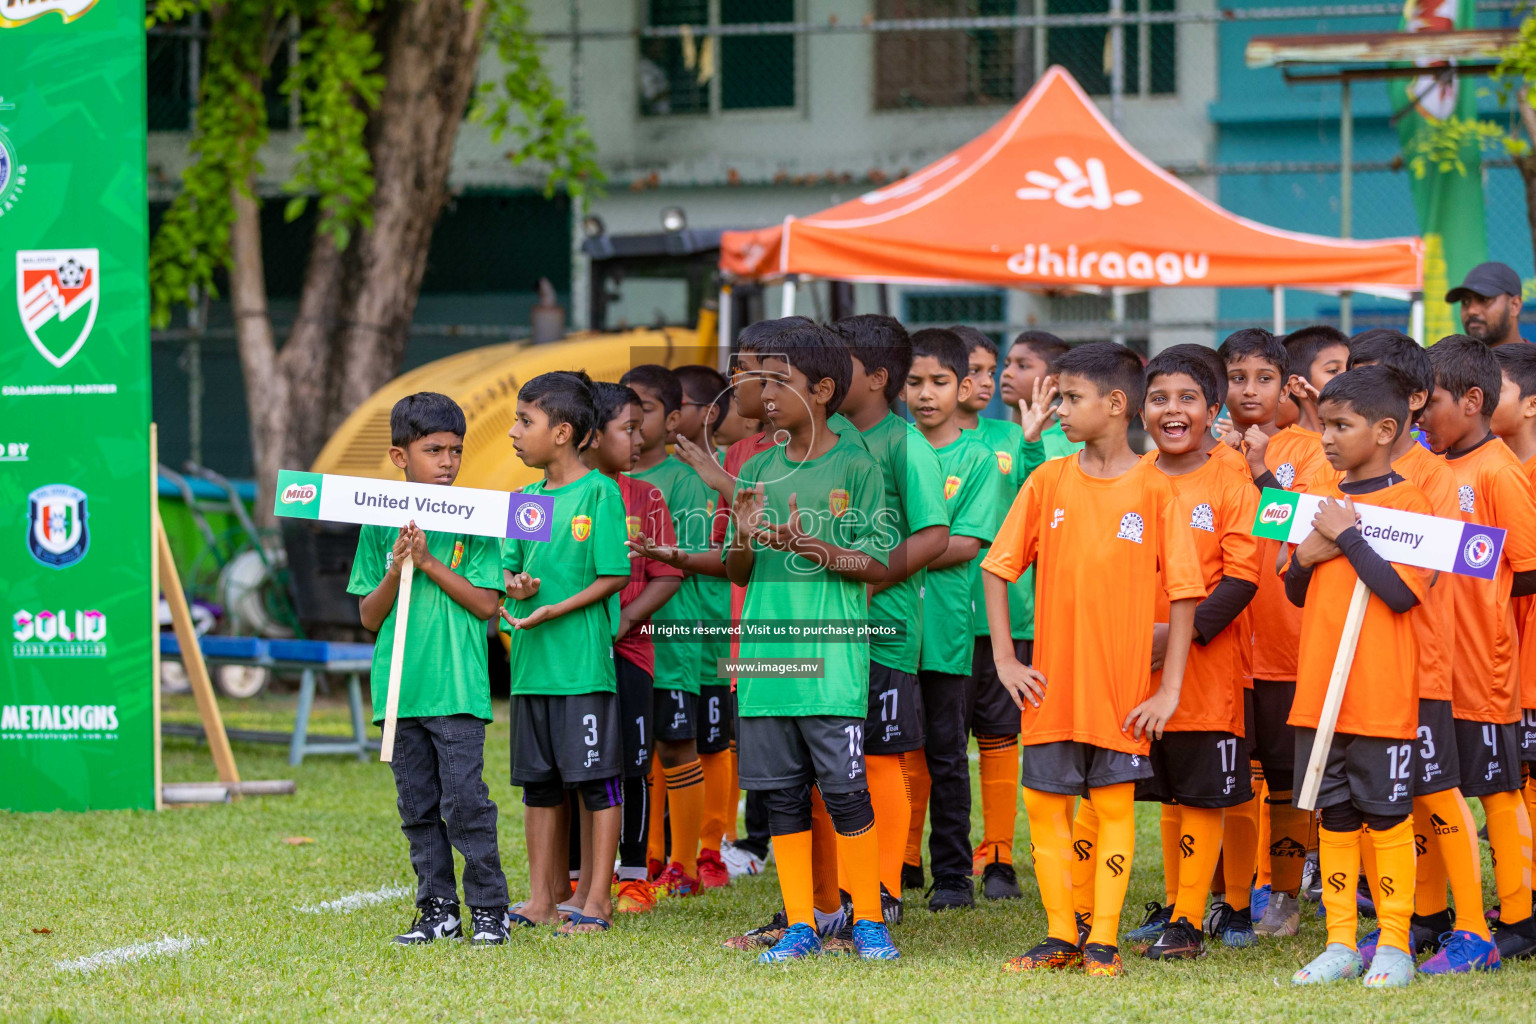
column 688, row 499
column 914, row 498
column 573, row 653
column 977, row 497
column 714, row 603
column 445, row 671
column 1056, row 444
column 840, row 497
column 1013, row 460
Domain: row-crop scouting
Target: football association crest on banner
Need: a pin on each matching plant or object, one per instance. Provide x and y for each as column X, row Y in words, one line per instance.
column 837, row 501
column 57, row 295
column 13, row 173
column 57, row 534
column 581, row 527
column 15, row 13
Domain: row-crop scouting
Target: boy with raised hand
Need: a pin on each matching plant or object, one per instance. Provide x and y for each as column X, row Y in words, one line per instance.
column 1317, row 354
column 1029, row 360
column 677, row 658
column 1514, row 421
column 706, row 396
column 615, row 448
column 1367, row 786
column 1491, row 488
column 563, row 615
column 1258, row 369
column 975, row 497
column 806, row 541
column 917, row 520
column 1445, row 836
column 445, row 697
column 1103, row 531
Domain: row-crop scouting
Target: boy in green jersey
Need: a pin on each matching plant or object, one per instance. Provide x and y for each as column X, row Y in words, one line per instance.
column 445, row 697
column 677, row 656
column 563, row 615
column 805, row 541
column 976, row 497
column 881, row 353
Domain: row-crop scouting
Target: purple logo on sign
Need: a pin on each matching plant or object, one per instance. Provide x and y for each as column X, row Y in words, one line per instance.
column 1478, row 551
column 528, row 516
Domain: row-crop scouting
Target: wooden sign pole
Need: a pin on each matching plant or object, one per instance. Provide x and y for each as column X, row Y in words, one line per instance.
column 1328, row 719
column 396, row 660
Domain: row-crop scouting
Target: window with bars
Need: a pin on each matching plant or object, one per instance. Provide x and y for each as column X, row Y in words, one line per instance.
column 983, row 308
column 170, row 74
column 694, row 74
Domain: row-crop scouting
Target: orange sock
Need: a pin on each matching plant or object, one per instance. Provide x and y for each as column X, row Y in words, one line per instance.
column 824, row 867
column 733, row 797
column 656, row 833
column 685, row 794
column 1168, row 828
column 1239, row 848
column 1199, row 844
column 1392, row 882
column 1454, row 839
column 1430, row 876
column 792, row 858
column 1289, row 830
column 1050, row 837
column 1338, row 859
column 1530, row 809
column 918, row 784
column 1509, row 833
column 1262, row 875
column 999, row 796
column 893, row 816
column 1368, row 864
column 1116, row 808
column 1085, row 841
column 860, row 858
column 718, row 798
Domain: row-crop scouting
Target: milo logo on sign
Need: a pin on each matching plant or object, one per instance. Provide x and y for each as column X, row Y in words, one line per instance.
column 1276, row 515
column 298, row 495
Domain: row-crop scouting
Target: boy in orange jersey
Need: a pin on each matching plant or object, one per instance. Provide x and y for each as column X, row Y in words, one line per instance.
column 1097, row 527
column 1258, row 369
column 1491, row 488
column 1514, row 421
column 1444, row 833
column 1366, row 793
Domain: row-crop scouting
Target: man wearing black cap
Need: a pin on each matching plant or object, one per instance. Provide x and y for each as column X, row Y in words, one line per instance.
column 1490, row 304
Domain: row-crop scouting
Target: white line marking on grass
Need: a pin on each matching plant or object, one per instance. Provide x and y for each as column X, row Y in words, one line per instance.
column 357, row 900
column 138, row 951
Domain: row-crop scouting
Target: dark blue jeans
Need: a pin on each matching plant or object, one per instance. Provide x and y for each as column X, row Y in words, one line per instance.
column 445, row 805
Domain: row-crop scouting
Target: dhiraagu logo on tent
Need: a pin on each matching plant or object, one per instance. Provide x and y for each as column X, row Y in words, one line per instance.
column 1277, row 513
column 298, row 494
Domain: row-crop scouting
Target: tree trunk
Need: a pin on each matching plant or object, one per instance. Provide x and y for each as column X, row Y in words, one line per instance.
column 356, row 307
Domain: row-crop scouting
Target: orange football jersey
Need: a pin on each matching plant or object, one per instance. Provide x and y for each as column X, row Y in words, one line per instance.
column 1525, row 620
column 1436, row 617
column 1295, row 457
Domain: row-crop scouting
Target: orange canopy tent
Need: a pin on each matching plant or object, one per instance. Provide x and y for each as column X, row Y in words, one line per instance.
column 1053, row 197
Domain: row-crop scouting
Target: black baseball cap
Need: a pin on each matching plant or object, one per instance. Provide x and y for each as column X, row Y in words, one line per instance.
column 1487, row 280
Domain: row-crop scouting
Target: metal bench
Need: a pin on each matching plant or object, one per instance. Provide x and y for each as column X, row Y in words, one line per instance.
column 307, row 657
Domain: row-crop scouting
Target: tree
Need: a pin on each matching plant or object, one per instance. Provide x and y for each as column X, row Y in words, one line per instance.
column 383, row 86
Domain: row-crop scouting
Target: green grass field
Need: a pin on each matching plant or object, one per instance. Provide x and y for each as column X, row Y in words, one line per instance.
column 75, row 885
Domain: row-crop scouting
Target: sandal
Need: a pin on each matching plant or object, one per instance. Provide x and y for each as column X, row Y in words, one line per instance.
column 578, row 918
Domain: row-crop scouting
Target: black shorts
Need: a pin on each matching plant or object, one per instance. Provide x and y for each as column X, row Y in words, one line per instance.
column 894, row 724
column 1075, row 768
column 565, row 739
column 779, row 752
column 1273, row 742
column 1436, row 765
column 1528, row 735
column 1198, row 769
column 636, row 716
column 1490, row 757
column 717, row 713
column 677, row 715
column 989, row 710
column 1371, row 772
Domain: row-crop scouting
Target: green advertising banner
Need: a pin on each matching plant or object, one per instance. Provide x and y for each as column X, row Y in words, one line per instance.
column 77, row 698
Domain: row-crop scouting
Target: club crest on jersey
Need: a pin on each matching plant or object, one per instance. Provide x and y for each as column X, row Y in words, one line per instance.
column 837, row 501
column 1203, row 518
column 1467, row 497
column 1004, row 462
column 1286, row 474
column 632, row 526
column 581, row 527
column 57, row 534
column 951, row 487
column 458, row 554
column 709, row 506
column 57, row 294
column 1130, row 527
